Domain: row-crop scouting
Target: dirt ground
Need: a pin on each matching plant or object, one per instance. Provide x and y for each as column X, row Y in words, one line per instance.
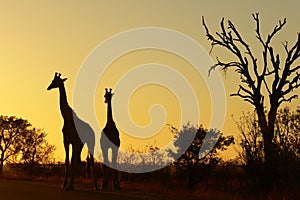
column 26, row 190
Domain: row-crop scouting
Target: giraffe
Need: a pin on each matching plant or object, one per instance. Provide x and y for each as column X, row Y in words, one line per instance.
column 110, row 139
column 73, row 135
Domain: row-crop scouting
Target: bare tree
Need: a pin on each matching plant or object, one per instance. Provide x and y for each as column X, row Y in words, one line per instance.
column 279, row 77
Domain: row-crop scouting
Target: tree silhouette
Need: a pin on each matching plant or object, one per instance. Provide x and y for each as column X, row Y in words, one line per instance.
column 251, row 141
column 21, row 143
column 279, row 77
column 286, row 141
column 35, row 149
column 287, row 133
column 11, row 130
column 201, row 151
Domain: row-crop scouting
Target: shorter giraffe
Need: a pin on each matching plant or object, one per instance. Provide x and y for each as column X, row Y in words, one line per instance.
column 110, row 140
column 75, row 135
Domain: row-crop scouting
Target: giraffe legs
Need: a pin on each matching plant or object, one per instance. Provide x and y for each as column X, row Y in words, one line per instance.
column 108, row 171
column 104, row 148
column 105, row 169
column 105, row 177
column 92, row 164
column 116, row 183
column 75, row 161
column 112, row 171
column 75, row 164
column 65, row 183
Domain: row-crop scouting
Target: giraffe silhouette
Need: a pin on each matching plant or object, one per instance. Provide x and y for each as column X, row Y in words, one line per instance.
column 110, row 139
column 76, row 133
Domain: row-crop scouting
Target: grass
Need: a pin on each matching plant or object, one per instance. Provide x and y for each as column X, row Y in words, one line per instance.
column 211, row 188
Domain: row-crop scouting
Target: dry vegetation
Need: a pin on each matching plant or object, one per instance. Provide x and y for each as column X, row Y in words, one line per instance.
column 226, row 181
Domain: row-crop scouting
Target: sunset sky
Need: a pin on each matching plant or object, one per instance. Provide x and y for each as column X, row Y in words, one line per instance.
column 39, row 38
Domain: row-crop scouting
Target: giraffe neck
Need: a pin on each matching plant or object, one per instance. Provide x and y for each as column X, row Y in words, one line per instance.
column 65, row 109
column 109, row 112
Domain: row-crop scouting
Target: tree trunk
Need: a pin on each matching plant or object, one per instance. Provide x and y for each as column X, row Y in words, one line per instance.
column 1, row 162
column 267, row 130
column 191, row 177
column 269, row 165
column 1, row 167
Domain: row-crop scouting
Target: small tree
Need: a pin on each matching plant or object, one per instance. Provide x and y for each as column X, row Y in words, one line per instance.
column 35, row 148
column 251, row 141
column 287, row 133
column 286, row 144
column 252, row 146
column 279, row 77
column 20, row 142
column 191, row 158
column 11, row 130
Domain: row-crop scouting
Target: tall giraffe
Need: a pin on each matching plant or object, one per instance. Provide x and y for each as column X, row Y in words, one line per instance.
column 75, row 135
column 110, row 139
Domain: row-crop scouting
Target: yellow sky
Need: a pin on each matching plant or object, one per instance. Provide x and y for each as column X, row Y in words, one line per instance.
column 38, row 38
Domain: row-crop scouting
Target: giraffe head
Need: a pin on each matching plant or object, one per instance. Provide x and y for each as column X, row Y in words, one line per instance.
column 57, row 81
column 108, row 95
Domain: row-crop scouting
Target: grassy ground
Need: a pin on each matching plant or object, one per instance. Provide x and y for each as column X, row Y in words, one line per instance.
column 209, row 190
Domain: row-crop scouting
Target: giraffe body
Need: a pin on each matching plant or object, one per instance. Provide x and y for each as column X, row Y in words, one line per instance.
column 110, row 140
column 75, row 135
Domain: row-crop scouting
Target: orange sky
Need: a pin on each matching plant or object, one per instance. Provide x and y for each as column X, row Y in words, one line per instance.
column 40, row 37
